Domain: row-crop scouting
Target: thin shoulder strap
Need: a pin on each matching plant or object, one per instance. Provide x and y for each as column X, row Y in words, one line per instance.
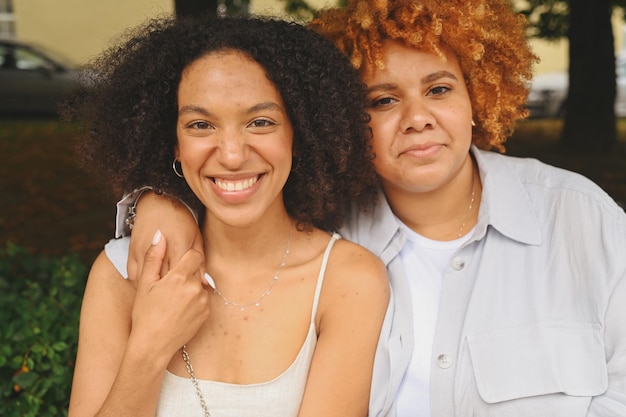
column 320, row 277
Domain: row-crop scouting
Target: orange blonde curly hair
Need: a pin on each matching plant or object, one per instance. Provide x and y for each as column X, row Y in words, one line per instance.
column 486, row 36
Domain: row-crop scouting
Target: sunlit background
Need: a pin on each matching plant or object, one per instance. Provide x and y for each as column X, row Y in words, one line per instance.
column 79, row 29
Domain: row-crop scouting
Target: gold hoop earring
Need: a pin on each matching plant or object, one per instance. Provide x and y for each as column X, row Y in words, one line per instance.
column 176, row 171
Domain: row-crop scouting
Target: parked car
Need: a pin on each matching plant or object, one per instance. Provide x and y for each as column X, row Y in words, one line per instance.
column 548, row 92
column 33, row 80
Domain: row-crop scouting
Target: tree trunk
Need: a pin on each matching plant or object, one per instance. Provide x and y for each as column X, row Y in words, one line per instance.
column 590, row 123
column 186, row 8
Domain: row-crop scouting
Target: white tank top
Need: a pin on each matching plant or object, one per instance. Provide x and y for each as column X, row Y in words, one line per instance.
column 280, row 397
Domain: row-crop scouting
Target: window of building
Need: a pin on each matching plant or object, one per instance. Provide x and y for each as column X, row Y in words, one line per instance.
column 7, row 19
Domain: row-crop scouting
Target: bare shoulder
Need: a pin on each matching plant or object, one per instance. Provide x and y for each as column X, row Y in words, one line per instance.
column 351, row 311
column 354, row 261
column 105, row 316
column 355, row 275
column 106, row 284
column 102, row 266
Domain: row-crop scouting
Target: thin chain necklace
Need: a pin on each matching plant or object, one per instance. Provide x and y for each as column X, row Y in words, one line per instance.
column 242, row 307
column 471, row 205
column 268, row 291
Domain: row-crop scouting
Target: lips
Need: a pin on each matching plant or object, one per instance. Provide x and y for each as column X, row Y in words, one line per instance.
column 425, row 149
column 239, row 184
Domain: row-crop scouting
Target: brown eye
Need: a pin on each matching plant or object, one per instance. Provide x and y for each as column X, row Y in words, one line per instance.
column 199, row 125
column 439, row 90
column 383, row 102
column 262, row 123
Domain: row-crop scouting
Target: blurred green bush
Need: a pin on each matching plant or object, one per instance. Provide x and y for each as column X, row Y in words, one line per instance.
column 40, row 301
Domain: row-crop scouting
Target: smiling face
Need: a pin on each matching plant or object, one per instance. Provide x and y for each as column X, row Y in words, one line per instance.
column 421, row 120
column 234, row 137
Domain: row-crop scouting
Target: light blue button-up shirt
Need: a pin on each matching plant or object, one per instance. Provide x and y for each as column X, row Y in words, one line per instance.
column 532, row 320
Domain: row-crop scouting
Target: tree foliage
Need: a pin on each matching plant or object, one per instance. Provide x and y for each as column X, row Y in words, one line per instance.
column 297, row 9
column 549, row 19
column 185, row 8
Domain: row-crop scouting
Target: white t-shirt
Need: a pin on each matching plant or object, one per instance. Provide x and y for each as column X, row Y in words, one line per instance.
column 424, row 261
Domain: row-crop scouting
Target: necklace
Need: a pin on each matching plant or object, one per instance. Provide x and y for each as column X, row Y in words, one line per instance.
column 242, row 307
column 471, row 204
column 267, row 292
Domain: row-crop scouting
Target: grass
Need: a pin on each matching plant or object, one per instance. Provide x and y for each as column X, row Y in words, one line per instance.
column 51, row 207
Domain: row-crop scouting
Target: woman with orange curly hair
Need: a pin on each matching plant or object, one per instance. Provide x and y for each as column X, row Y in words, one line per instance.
column 508, row 275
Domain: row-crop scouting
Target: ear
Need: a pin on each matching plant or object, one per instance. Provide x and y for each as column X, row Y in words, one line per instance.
column 294, row 150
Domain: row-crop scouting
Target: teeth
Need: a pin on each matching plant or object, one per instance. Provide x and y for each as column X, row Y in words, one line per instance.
column 235, row 185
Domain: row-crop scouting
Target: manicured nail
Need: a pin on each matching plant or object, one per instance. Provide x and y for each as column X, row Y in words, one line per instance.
column 209, row 280
column 156, row 238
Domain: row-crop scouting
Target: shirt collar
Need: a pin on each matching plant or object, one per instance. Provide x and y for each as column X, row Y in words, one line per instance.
column 376, row 229
column 505, row 203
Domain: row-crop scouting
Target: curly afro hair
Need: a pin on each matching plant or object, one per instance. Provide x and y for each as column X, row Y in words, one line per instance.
column 128, row 110
column 486, row 36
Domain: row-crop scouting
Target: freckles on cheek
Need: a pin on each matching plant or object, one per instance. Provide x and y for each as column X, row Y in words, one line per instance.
column 192, row 155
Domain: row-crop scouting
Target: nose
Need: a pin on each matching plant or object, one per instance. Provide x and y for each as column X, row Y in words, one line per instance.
column 233, row 150
column 416, row 117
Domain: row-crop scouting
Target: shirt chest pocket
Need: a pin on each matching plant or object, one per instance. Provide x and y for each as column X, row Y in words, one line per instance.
column 539, row 359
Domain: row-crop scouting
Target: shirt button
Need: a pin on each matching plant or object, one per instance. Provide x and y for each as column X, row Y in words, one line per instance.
column 444, row 361
column 458, row 263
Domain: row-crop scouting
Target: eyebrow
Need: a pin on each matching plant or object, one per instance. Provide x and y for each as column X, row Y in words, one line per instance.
column 382, row 87
column 437, row 75
column 425, row 80
column 190, row 108
column 268, row 105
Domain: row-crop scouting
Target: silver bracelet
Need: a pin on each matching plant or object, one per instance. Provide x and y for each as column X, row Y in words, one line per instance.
column 132, row 209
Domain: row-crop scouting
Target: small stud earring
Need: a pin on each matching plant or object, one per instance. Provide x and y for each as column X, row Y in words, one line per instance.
column 473, row 124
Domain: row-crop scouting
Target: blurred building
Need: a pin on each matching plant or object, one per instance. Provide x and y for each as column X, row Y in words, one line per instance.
column 80, row 29
column 76, row 28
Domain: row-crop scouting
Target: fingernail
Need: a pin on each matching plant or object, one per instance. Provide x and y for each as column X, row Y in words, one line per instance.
column 156, row 238
column 209, row 280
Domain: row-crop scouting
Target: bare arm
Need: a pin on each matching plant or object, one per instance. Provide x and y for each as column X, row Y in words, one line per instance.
column 127, row 337
column 158, row 212
column 352, row 307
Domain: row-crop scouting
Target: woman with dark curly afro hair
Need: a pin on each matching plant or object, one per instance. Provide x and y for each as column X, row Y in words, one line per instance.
column 259, row 125
column 508, row 275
